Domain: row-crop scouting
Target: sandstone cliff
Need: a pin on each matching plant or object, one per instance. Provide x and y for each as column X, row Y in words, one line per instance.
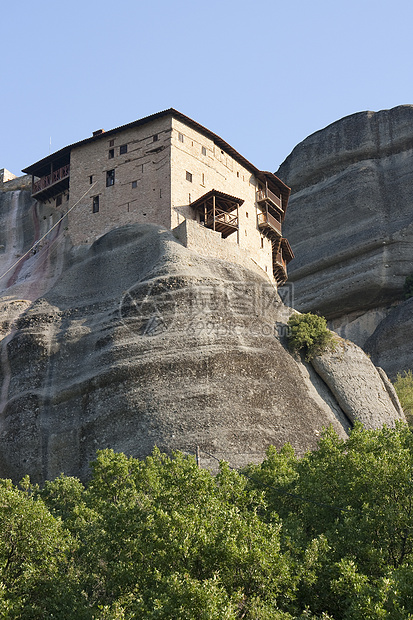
column 136, row 341
column 350, row 223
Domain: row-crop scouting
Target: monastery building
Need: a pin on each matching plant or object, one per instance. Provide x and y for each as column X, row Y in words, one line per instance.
column 169, row 170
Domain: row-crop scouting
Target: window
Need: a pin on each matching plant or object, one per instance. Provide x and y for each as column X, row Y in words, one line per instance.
column 238, row 174
column 246, row 214
column 95, row 204
column 111, row 153
column 203, row 150
column 262, row 243
column 59, row 200
column 155, row 138
column 123, row 149
column 203, row 179
column 110, row 178
column 180, row 137
column 134, row 184
column 91, row 179
column 189, row 176
column 111, row 142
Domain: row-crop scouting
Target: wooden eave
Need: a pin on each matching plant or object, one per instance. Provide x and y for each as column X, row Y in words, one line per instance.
column 221, row 195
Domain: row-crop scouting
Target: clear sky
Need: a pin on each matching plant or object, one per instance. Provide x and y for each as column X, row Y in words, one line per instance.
column 262, row 74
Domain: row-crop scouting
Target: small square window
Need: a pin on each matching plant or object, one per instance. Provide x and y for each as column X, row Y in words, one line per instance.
column 155, row 138
column 95, row 204
column 180, row 137
column 123, row 149
column 203, row 150
column 110, row 178
column 134, row 184
column 91, row 179
column 111, row 153
column 59, row 200
column 189, row 176
column 111, row 142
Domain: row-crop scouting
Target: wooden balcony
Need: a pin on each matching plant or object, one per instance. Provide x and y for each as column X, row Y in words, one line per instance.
column 268, row 223
column 266, row 195
column 223, row 222
column 51, row 184
column 219, row 212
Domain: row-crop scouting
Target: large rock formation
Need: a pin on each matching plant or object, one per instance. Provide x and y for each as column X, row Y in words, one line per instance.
column 350, row 223
column 136, row 341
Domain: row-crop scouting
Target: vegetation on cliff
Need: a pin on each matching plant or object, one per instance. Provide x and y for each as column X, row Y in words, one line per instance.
column 328, row 536
column 404, row 388
column 408, row 287
column 308, row 333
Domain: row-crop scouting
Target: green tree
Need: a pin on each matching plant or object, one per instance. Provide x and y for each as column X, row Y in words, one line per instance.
column 35, row 550
column 165, row 519
column 357, row 497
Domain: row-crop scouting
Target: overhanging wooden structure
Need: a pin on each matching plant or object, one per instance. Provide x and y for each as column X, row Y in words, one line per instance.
column 219, row 212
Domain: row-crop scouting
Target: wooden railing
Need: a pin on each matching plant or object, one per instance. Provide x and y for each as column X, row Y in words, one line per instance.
column 266, row 220
column 51, row 179
column 267, row 194
column 230, row 219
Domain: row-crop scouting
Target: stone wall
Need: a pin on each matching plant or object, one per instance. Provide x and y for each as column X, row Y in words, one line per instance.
column 145, row 164
column 215, row 169
column 6, row 175
column 209, row 243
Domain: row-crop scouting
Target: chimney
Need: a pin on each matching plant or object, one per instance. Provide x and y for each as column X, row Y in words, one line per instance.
column 98, row 132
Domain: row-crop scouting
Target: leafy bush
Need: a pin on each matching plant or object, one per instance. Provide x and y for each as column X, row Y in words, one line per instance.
column 308, row 333
column 404, row 388
column 328, row 536
column 408, row 287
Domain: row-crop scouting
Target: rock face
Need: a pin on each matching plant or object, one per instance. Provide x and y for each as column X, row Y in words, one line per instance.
column 23, row 222
column 362, row 394
column 350, row 222
column 136, row 341
column 390, row 345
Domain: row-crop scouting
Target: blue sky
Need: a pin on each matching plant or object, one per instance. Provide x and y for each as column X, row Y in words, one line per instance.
column 262, row 74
